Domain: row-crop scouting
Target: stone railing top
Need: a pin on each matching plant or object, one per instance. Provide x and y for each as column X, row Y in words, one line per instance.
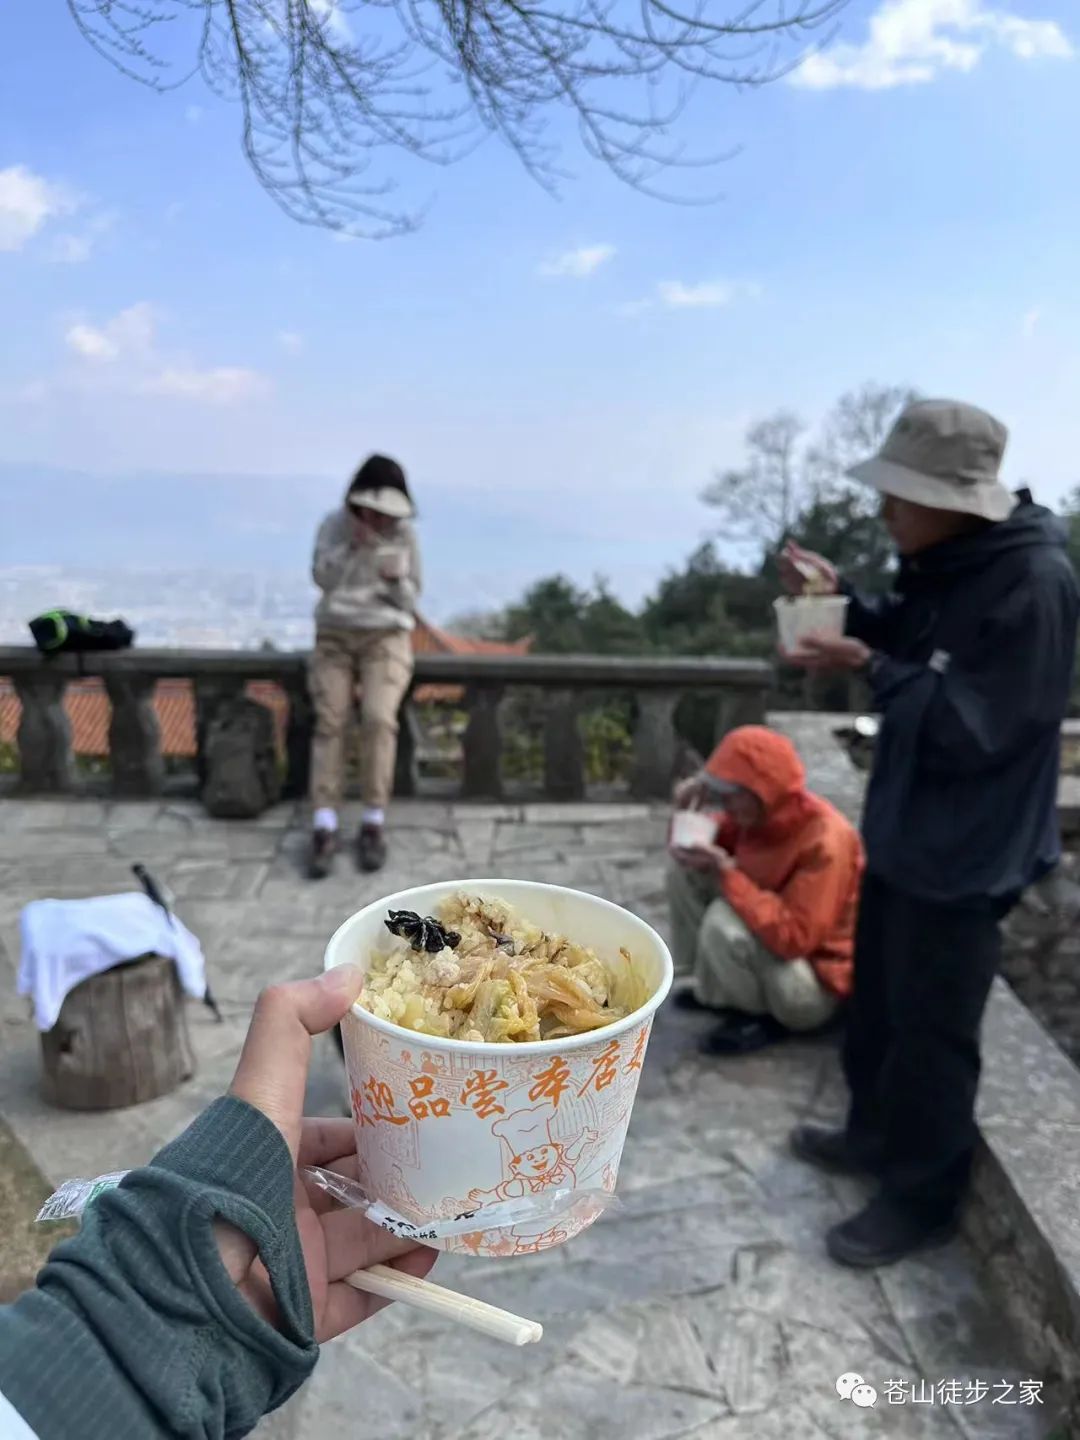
column 571, row 671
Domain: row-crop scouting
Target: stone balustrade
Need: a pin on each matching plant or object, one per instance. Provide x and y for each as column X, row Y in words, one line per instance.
column 565, row 684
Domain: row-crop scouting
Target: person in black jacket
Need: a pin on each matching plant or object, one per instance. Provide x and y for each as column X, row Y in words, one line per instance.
column 970, row 659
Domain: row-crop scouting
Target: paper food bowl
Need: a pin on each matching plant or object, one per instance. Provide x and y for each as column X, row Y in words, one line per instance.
column 445, row 1126
column 800, row 615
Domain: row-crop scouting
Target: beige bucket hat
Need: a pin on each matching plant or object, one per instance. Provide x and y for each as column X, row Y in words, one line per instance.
column 945, row 455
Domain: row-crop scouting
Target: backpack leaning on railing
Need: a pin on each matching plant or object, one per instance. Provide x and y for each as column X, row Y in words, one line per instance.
column 60, row 630
column 239, row 761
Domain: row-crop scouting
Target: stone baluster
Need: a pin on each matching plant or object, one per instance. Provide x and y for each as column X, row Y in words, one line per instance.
column 482, row 743
column 47, row 763
column 138, row 767
column 655, row 744
column 741, row 706
column 298, row 732
column 407, row 764
column 564, row 753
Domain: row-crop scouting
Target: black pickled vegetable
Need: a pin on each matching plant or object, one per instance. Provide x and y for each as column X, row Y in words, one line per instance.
column 422, row 934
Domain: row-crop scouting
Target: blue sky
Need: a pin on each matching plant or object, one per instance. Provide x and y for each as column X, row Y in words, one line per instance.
column 566, row 373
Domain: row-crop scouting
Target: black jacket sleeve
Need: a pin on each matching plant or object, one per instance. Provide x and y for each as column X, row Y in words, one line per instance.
column 984, row 703
column 869, row 617
column 135, row 1331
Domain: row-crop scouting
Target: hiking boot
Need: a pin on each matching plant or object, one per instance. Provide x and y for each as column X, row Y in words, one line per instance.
column 742, row 1034
column 830, row 1150
column 323, row 850
column 883, row 1233
column 371, row 848
column 686, row 999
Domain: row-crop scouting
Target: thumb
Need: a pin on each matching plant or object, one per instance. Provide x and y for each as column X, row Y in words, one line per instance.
column 273, row 1067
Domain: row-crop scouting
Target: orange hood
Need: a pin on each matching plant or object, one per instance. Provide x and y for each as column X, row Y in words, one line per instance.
column 761, row 761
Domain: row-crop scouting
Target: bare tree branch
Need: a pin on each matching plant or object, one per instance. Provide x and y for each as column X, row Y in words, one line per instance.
column 328, row 88
column 783, row 477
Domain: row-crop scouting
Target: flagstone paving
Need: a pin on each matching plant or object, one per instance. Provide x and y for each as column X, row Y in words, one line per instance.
column 703, row 1307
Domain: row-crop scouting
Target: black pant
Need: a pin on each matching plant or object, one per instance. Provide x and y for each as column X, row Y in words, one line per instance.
column 911, row 1050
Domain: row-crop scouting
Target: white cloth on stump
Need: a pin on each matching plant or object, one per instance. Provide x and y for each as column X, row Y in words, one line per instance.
column 64, row 942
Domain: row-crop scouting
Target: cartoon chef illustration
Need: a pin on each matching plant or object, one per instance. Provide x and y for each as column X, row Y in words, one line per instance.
column 533, row 1159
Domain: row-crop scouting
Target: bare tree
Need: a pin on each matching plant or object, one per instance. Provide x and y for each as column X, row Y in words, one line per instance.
column 784, row 476
column 855, row 428
column 760, row 499
column 327, row 88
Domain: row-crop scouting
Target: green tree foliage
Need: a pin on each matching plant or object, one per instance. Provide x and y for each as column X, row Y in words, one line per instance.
column 848, row 531
column 709, row 608
column 791, row 483
column 562, row 619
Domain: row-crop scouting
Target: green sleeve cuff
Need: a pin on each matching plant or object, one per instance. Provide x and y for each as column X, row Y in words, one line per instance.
column 135, row 1329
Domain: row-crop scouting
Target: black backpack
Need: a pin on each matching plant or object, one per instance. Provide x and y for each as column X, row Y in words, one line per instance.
column 58, row 630
column 239, row 761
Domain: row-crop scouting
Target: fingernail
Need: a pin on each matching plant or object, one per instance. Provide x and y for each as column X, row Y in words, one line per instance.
column 347, row 979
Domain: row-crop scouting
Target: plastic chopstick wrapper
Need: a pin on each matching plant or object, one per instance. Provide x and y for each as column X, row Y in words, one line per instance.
column 73, row 1196
column 544, row 1205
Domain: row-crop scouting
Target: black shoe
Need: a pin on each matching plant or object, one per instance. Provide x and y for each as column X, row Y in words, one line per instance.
column 686, row 999
column 323, row 850
column 830, row 1150
column 742, row 1035
column 883, row 1233
column 371, row 848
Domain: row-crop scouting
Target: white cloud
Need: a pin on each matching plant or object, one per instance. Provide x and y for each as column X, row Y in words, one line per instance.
column 1030, row 323
column 122, row 354
column 705, row 295
column 28, row 202
column 76, row 247
column 71, row 249
column 910, row 42
column 290, row 341
column 127, row 335
column 580, row 263
column 710, row 294
column 222, row 385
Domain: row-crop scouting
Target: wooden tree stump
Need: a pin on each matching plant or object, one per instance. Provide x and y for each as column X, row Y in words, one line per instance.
column 121, row 1038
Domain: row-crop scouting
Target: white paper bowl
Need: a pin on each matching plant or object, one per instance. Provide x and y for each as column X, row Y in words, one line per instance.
column 445, row 1125
column 801, row 615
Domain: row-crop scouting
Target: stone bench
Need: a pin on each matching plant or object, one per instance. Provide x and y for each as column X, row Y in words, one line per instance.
column 1024, row 1213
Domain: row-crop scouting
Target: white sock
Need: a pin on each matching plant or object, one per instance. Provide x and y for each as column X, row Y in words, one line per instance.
column 325, row 819
column 372, row 815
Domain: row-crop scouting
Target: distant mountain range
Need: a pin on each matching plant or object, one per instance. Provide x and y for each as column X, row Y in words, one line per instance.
column 66, row 517
column 479, row 551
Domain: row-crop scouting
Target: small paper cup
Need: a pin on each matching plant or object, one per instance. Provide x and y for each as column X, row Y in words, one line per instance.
column 691, row 828
column 390, row 561
column 800, row 615
column 446, row 1126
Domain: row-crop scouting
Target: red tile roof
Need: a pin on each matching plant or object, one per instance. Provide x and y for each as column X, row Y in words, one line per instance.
column 87, row 704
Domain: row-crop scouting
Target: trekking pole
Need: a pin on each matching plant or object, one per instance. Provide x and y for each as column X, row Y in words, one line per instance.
column 163, row 898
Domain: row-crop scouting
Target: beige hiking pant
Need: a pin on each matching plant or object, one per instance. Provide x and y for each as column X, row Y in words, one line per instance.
column 731, row 966
column 380, row 662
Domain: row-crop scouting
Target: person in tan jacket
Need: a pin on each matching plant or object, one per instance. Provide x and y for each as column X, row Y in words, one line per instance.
column 367, row 566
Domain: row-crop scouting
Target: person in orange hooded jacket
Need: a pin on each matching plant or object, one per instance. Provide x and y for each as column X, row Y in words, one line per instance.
column 764, row 915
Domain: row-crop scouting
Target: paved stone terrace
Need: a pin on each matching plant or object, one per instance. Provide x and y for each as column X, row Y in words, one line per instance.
column 705, row 1307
